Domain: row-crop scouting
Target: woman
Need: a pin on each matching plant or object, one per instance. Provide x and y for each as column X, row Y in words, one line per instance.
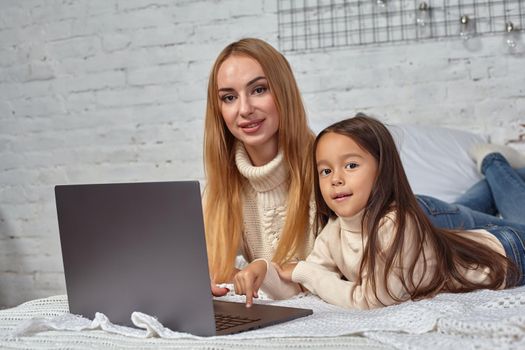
column 257, row 151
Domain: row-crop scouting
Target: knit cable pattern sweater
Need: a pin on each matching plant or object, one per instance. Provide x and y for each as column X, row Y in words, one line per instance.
column 265, row 195
column 332, row 268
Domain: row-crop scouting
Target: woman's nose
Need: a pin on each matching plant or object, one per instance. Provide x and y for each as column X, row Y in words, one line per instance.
column 246, row 107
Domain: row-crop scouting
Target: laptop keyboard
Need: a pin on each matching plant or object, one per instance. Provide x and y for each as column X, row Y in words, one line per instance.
column 223, row 322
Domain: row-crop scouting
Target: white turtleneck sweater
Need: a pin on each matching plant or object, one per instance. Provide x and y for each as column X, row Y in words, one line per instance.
column 265, row 195
column 331, row 269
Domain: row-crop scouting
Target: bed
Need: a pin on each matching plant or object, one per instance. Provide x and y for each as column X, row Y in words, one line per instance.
column 437, row 163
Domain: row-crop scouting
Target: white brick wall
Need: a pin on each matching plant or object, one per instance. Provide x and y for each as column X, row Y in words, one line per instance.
column 111, row 90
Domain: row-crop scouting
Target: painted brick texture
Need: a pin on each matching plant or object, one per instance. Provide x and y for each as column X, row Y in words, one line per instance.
column 111, row 90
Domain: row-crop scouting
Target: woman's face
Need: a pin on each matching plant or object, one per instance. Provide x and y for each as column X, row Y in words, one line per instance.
column 248, row 108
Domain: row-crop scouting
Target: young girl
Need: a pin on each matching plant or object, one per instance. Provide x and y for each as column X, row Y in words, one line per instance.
column 378, row 247
column 258, row 200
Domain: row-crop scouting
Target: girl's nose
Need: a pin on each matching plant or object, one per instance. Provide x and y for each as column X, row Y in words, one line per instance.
column 337, row 180
column 246, row 107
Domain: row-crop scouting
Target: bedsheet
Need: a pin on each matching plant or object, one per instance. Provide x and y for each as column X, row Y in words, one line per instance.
column 478, row 320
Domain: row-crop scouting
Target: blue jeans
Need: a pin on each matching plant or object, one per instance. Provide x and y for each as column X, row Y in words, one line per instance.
column 513, row 242
column 502, row 192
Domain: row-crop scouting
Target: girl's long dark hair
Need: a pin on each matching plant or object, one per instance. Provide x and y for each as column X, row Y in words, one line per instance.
column 392, row 193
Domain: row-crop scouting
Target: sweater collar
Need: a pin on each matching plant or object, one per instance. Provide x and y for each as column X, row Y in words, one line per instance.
column 262, row 178
column 352, row 224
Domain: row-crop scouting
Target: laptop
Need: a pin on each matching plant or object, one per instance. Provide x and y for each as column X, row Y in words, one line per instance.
column 141, row 247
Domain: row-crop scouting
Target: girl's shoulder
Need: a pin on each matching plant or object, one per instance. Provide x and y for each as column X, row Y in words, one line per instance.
column 388, row 226
column 388, row 221
column 333, row 226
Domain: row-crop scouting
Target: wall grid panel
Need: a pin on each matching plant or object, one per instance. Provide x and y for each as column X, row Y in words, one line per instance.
column 320, row 24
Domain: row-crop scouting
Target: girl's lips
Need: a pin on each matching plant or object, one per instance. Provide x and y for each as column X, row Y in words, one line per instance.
column 341, row 196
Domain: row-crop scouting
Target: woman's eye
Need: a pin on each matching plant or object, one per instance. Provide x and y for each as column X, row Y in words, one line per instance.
column 259, row 90
column 351, row 165
column 227, row 98
column 324, row 172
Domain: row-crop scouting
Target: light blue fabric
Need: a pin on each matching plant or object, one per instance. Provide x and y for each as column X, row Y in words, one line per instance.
column 513, row 242
column 457, row 216
column 501, row 193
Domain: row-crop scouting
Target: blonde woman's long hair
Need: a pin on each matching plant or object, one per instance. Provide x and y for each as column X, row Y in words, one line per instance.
column 223, row 207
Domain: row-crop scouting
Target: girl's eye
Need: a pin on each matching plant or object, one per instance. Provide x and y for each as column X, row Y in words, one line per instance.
column 259, row 90
column 351, row 166
column 227, row 98
column 324, row 172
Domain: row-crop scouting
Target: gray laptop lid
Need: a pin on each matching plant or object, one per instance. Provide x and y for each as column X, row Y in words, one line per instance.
column 141, row 247
column 136, row 247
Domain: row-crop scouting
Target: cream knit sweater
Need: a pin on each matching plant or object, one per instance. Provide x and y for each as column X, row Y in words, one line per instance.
column 331, row 269
column 265, row 194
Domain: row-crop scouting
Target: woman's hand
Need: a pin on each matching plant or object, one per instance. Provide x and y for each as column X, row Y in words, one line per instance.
column 285, row 271
column 248, row 280
column 217, row 291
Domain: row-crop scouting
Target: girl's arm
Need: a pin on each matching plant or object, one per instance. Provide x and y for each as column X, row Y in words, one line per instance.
column 321, row 274
column 332, row 288
column 276, row 287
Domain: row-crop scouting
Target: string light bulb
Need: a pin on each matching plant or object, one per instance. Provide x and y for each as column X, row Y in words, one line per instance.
column 511, row 38
column 423, row 14
column 466, row 27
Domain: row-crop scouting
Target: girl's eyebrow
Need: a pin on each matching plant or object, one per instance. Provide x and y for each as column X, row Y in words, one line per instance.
column 254, row 80
column 348, row 155
column 343, row 156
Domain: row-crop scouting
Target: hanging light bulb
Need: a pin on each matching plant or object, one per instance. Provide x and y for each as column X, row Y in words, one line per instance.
column 423, row 14
column 466, row 27
column 381, row 3
column 511, row 38
column 423, row 20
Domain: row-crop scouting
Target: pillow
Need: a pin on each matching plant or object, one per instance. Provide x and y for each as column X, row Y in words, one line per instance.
column 436, row 159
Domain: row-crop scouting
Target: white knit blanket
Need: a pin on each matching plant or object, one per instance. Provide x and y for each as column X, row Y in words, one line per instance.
column 478, row 320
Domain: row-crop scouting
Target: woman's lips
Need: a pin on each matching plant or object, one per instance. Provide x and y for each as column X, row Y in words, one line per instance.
column 251, row 127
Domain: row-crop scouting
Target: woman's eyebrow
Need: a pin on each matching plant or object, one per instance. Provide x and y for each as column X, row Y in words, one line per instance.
column 254, row 80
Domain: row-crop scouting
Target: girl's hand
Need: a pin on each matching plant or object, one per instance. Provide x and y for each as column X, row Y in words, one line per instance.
column 285, row 271
column 248, row 280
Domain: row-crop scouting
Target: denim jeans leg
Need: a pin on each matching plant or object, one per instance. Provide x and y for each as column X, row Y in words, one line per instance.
column 479, row 197
column 507, row 187
column 457, row 217
column 513, row 242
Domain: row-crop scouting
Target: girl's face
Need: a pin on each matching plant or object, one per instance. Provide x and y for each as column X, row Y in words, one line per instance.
column 346, row 173
column 248, row 108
